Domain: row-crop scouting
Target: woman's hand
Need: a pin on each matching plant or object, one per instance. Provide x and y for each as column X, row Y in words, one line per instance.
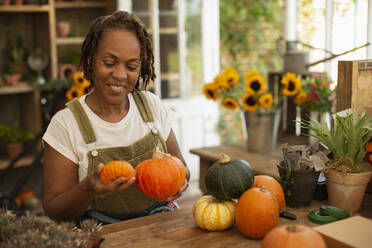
column 182, row 189
column 95, row 184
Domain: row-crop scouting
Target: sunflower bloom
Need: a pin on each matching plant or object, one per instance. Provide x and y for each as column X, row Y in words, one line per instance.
column 266, row 100
column 210, row 91
column 229, row 103
column 217, row 80
column 73, row 92
column 249, row 102
column 300, row 97
column 256, row 84
column 250, row 74
column 229, row 77
column 292, row 84
column 79, row 79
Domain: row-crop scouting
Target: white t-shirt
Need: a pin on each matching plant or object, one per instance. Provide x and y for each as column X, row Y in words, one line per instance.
column 63, row 133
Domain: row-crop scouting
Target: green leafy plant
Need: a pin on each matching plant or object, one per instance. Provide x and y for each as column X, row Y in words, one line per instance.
column 40, row 231
column 17, row 51
column 346, row 139
column 14, row 134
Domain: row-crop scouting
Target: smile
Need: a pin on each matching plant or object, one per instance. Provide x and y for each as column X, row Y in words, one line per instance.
column 117, row 87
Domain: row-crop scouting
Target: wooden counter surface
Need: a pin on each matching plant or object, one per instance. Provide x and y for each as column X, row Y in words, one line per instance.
column 178, row 229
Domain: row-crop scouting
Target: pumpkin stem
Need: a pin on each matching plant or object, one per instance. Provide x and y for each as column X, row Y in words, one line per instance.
column 293, row 228
column 158, row 154
column 224, row 158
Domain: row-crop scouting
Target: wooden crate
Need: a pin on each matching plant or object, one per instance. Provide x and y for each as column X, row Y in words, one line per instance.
column 354, row 85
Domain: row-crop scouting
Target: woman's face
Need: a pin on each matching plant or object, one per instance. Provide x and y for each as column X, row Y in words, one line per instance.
column 117, row 65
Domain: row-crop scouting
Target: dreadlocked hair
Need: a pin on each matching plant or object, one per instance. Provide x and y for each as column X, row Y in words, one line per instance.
column 118, row 20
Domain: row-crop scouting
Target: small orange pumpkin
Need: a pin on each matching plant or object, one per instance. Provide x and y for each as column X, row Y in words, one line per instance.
column 256, row 213
column 115, row 169
column 293, row 236
column 22, row 195
column 160, row 177
column 271, row 185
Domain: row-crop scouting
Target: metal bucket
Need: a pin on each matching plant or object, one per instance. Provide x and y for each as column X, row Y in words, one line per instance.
column 262, row 130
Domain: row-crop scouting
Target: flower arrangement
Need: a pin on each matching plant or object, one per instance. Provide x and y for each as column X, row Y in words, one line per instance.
column 312, row 93
column 249, row 94
column 81, row 86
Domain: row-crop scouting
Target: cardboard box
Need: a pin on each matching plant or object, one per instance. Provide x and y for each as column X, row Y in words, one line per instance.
column 353, row 232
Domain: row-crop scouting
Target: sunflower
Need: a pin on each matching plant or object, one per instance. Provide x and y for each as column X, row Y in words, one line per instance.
column 216, row 80
column 250, row 74
column 300, row 97
column 292, row 84
column 80, row 80
column 73, row 92
column 229, row 103
column 249, row 102
column 255, row 83
column 266, row 100
column 211, row 91
column 228, row 77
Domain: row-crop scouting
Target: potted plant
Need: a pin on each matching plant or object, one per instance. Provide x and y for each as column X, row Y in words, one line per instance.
column 14, row 139
column 299, row 171
column 347, row 172
column 249, row 93
column 17, row 54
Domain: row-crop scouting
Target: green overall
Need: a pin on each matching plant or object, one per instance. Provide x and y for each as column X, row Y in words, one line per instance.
column 131, row 199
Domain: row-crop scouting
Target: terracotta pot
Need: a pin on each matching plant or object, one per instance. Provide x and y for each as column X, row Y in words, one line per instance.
column 346, row 190
column 18, row 2
column 13, row 149
column 63, row 29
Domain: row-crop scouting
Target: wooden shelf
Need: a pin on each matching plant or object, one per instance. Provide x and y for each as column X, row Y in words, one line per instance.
column 25, row 161
column 170, row 76
column 6, row 90
column 80, row 5
column 169, row 30
column 70, row 41
column 25, row 8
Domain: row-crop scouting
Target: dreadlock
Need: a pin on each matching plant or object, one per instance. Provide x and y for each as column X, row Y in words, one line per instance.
column 118, row 20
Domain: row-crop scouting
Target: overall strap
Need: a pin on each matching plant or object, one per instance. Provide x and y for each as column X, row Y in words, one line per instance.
column 82, row 119
column 143, row 106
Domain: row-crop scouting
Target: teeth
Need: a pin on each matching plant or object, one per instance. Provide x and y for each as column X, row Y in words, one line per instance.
column 115, row 87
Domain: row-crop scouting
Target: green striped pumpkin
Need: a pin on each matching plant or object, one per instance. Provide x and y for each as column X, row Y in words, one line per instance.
column 229, row 178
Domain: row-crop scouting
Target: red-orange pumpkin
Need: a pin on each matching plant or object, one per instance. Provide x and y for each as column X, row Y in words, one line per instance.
column 160, row 177
column 22, row 195
column 115, row 169
column 293, row 236
column 256, row 213
column 271, row 185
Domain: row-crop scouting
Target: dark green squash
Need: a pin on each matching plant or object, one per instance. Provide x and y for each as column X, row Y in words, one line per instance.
column 229, row 178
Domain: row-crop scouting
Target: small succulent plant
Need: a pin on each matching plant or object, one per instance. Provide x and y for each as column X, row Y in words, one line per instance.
column 38, row 231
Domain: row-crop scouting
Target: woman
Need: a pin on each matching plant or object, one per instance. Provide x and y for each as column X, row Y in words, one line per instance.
column 114, row 122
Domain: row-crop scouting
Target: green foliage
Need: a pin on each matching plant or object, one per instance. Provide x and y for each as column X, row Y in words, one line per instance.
column 35, row 231
column 17, row 51
column 249, row 30
column 347, row 137
column 53, row 84
column 14, row 134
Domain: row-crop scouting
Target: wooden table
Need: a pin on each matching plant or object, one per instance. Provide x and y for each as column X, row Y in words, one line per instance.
column 178, row 229
column 262, row 163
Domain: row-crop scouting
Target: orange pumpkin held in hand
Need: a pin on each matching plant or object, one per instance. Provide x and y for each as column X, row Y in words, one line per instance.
column 256, row 213
column 271, row 185
column 293, row 236
column 115, row 169
column 160, row 177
